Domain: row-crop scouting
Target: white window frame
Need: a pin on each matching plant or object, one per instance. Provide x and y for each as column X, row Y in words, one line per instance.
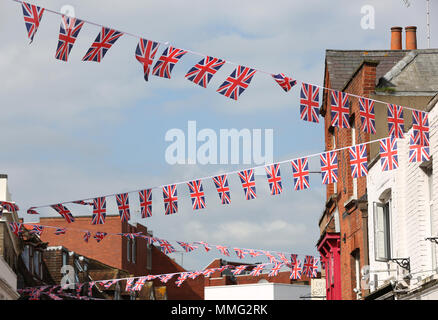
column 386, row 229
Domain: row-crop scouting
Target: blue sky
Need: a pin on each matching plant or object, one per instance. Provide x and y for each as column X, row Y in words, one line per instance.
column 80, row 129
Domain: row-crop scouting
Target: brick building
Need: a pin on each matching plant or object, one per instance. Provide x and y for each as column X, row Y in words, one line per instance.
column 135, row 256
column 384, row 75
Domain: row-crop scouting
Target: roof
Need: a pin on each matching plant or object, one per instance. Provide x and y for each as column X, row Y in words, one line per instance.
column 341, row 64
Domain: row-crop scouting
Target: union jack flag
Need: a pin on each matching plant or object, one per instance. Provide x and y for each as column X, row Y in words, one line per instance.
column 163, row 67
column 181, row 278
column 63, row 211
column 367, row 116
column 99, row 210
column 275, row 270
column 274, row 178
column 240, row 252
column 206, row 245
column 309, row 103
column 130, row 235
column 82, row 202
column 395, row 120
column 16, row 228
column 11, row 207
column 308, row 266
column 208, row 272
column 151, row 277
column 104, row 41
column 129, row 283
column 315, row 268
column 68, row 32
column 87, row 236
column 339, row 109
column 300, row 171
column 418, row 152
column 32, row 18
column 60, row 231
column 193, row 275
column 223, row 250
column 388, row 154
column 146, row 203
column 285, row 82
column 248, row 183
column 254, row 253
column 296, row 268
column 257, row 270
column 237, row 82
column 139, row 284
column 420, row 127
column 202, row 72
column 36, row 229
column 166, row 247
column 166, row 277
column 187, row 246
column 238, row 269
column 145, row 54
column 272, row 258
column 32, row 211
column 283, row 258
column 123, row 206
column 221, row 183
column 329, row 167
column 358, row 161
column 99, row 236
column 197, row 194
column 170, row 196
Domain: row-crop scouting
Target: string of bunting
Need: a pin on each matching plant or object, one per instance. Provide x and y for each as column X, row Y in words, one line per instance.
column 308, row 268
column 165, row 245
column 419, row 150
column 202, row 72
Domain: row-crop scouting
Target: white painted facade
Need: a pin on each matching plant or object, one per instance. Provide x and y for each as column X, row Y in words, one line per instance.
column 258, row 291
column 411, row 194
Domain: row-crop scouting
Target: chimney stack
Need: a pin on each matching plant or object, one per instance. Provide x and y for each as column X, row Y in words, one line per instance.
column 396, row 38
column 411, row 38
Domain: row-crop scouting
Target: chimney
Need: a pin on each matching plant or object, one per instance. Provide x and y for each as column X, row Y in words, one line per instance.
column 411, row 38
column 396, row 38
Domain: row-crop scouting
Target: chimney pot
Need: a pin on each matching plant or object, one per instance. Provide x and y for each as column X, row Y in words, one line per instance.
column 396, row 38
column 411, row 38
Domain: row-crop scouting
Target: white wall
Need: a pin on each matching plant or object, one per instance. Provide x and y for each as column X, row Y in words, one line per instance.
column 257, row 291
column 410, row 218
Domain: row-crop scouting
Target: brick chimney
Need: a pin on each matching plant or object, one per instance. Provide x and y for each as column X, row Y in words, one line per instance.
column 396, row 38
column 411, row 38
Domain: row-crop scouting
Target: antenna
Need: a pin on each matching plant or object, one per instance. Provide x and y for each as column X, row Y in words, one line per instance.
column 408, row 4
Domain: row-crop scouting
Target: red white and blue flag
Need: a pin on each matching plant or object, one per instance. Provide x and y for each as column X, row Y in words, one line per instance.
column 87, row 236
column 166, row 247
column 206, row 245
column 164, row 65
column 420, row 127
column 129, row 283
column 32, row 211
column 329, row 167
column 82, row 202
column 239, row 269
column 309, row 103
column 257, row 270
column 166, row 277
column 300, row 171
column 271, row 257
column 274, row 178
column 315, row 267
column 254, row 253
column 197, row 194
column 340, row 110
column 358, row 160
column 367, row 116
column 139, row 284
column 104, row 41
column 181, row 278
column 283, row 81
column 208, row 272
column 170, row 196
column 221, row 183
column 145, row 54
column 418, row 152
column 248, row 183
column 275, row 269
column 237, row 82
column 187, row 246
column 395, row 120
column 11, row 207
column 193, row 275
column 202, row 72
column 123, row 206
column 99, row 210
column 99, row 236
column 224, row 250
column 240, row 252
column 68, row 32
column 36, row 229
column 308, row 266
column 63, row 211
column 388, row 154
column 16, row 228
column 32, row 18
column 60, row 231
column 146, row 203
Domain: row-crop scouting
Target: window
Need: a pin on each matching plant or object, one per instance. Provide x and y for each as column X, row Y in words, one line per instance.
column 26, row 257
column 37, row 263
column 64, row 258
column 134, row 249
column 382, row 244
column 128, row 250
